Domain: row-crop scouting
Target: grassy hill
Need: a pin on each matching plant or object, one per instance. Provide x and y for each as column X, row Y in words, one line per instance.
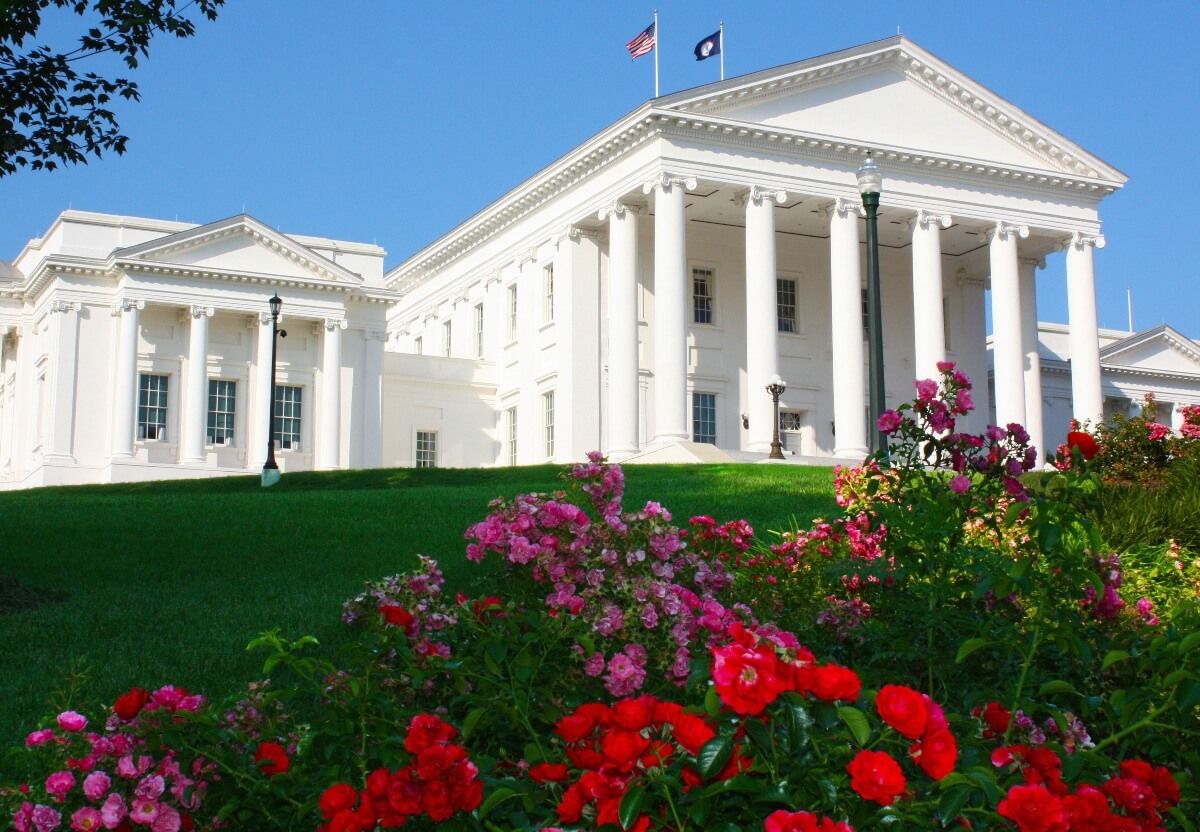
column 151, row 583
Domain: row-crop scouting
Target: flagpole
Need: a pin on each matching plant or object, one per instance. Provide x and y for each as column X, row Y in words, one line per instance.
column 657, row 44
column 721, row 43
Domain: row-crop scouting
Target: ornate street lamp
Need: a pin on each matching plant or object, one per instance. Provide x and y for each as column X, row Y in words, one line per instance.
column 270, row 471
column 870, row 185
column 776, row 388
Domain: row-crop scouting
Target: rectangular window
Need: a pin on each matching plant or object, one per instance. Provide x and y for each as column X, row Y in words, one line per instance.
column 866, row 313
column 512, row 312
column 152, row 407
column 548, row 294
column 288, row 410
column 419, row 346
column 704, row 418
column 510, row 432
column 479, row 330
column 702, row 296
column 446, row 339
column 548, row 422
column 785, row 304
column 946, row 322
column 222, row 401
column 427, row 449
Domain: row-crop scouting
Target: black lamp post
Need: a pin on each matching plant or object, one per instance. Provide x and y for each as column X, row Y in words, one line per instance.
column 870, row 184
column 776, row 388
column 270, row 471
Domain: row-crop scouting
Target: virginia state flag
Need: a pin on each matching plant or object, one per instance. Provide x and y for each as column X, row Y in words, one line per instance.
column 708, row 47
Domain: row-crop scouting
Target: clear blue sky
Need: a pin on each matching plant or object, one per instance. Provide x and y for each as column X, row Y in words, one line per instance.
column 389, row 121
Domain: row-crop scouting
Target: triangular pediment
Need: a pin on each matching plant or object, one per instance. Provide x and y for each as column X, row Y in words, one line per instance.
column 1161, row 349
column 240, row 245
column 894, row 94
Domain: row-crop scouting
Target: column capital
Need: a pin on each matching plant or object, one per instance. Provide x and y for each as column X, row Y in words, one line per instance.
column 1003, row 230
column 201, row 311
column 330, row 324
column 1079, row 241
column 927, row 219
column 575, row 232
column 843, row 207
column 666, row 181
column 65, row 306
column 759, row 194
column 617, row 208
column 126, row 305
column 375, row 335
column 1035, row 262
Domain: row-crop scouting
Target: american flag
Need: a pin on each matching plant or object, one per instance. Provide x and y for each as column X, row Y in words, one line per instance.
column 643, row 44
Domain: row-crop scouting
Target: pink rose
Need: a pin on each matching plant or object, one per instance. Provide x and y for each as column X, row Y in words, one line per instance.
column 168, row 820
column 960, row 484
column 46, row 819
column 126, row 767
column 86, row 819
column 39, row 738
column 59, row 783
column 22, row 819
column 888, row 421
column 96, row 785
column 151, row 787
column 72, row 721
column 144, row 811
column 113, row 811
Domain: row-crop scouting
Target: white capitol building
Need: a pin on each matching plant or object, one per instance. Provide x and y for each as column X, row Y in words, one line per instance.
column 636, row 296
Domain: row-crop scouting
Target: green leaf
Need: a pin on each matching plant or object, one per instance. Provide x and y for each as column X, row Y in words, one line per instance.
column 714, row 755
column 712, row 702
column 1112, row 657
column 952, row 802
column 1057, row 686
column 828, row 790
column 495, row 799
column 631, row 806
column 970, row 646
column 856, row 721
column 760, row 735
column 1182, row 819
column 1176, row 676
column 1189, row 641
column 471, row 721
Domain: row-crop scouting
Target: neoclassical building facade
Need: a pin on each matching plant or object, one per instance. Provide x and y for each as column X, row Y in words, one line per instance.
column 637, row 295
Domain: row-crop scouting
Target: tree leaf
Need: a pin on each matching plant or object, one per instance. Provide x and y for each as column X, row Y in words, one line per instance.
column 970, row 646
column 856, row 721
column 1112, row 657
column 631, row 806
column 1057, row 686
column 952, row 802
column 712, row 702
column 714, row 755
column 471, row 721
column 761, row 736
column 495, row 799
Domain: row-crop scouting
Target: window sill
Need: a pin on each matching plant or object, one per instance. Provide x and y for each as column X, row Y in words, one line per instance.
column 547, row 325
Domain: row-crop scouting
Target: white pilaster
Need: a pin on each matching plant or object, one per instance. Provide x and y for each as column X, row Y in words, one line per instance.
column 929, row 324
column 1087, row 400
column 622, row 329
column 195, row 394
column 65, row 334
column 125, row 381
column 261, row 432
column 670, row 308
column 1032, row 365
column 849, row 370
column 762, row 336
column 329, row 420
column 1008, row 354
column 372, row 444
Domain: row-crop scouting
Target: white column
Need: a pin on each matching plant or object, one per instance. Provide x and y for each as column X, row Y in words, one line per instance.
column 762, row 336
column 1032, row 365
column 125, row 382
column 1087, row 400
column 1008, row 356
column 670, row 308
column 64, row 358
column 329, row 420
column 372, row 446
column 622, row 329
column 195, row 394
column 929, row 324
column 849, row 369
column 261, row 431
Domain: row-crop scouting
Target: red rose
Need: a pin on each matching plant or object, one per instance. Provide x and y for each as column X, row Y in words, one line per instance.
column 377, row 783
column 634, row 714
column 548, row 773
column 129, row 705
column 747, row 680
column 1033, row 809
column 833, row 682
column 902, row 708
column 396, row 616
column 621, row 749
column 785, row 821
column 425, row 730
column 1084, row 442
column 272, row 759
column 692, row 732
column 936, row 753
column 1133, row 796
column 573, row 727
column 800, row 671
column 1087, row 809
column 995, row 718
column 337, row 798
column 570, row 808
column 1166, row 788
column 585, row 759
column 875, row 776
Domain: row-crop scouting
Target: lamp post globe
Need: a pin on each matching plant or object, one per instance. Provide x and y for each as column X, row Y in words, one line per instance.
column 775, row 388
column 270, row 471
column 870, row 186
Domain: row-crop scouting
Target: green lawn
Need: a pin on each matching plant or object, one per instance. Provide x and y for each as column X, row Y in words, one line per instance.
column 166, row 582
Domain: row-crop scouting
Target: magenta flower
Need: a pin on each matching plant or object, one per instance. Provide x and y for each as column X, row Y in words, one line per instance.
column 46, row 819
column 86, row 819
column 113, row 811
column 144, row 811
column 168, row 820
column 39, row 738
column 96, row 785
column 72, row 721
column 960, row 484
column 888, row 421
column 59, row 783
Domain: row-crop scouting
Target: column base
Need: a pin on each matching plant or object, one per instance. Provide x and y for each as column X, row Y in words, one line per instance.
column 852, row 453
column 270, row 476
column 665, row 439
